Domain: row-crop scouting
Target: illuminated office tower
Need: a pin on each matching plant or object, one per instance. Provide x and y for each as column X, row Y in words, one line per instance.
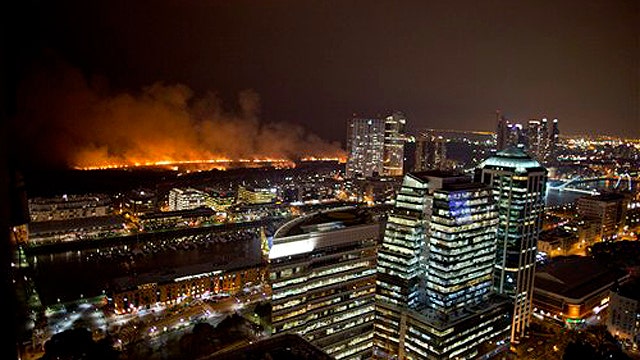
column 401, row 262
column 365, row 147
column 322, row 273
column 519, row 184
column 550, row 134
column 434, row 298
column 461, row 252
column 394, row 138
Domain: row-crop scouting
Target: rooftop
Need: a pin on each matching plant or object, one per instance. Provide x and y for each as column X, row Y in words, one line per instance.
column 513, row 157
column 164, row 276
column 283, row 346
column 75, row 224
column 575, row 277
column 448, row 180
column 463, row 186
column 426, row 175
column 630, row 289
column 198, row 212
column 332, row 219
column 441, row 321
column 605, row 196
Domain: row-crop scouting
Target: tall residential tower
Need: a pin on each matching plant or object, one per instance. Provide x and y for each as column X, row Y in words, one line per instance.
column 375, row 146
column 365, row 146
column 394, row 138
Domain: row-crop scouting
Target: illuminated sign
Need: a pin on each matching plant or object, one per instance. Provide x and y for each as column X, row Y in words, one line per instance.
column 279, row 250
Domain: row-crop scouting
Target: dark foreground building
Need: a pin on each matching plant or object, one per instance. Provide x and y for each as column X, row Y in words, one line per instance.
column 284, row 346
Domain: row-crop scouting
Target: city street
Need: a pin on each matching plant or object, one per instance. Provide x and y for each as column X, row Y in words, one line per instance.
column 149, row 330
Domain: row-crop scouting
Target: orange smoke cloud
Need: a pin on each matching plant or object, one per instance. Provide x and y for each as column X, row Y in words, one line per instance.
column 65, row 119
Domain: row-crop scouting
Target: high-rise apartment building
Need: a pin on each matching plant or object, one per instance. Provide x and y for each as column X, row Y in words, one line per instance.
column 431, row 152
column 365, row 147
column 434, row 298
column 541, row 139
column 501, row 131
column 519, row 186
column 536, row 139
column 375, row 146
column 554, row 137
column 394, row 139
column 507, row 133
column 322, row 274
column 544, row 129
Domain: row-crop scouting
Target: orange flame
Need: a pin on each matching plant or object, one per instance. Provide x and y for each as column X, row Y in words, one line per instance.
column 208, row 164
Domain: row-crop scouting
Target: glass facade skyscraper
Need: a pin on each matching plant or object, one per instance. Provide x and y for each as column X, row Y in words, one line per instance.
column 461, row 248
column 401, row 263
column 519, row 187
column 434, row 298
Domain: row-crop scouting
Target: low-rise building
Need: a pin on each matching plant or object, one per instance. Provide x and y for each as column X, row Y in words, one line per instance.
column 571, row 289
column 186, row 199
column 173, row 286
column 174, row 219
column 42, row 232
column 138, row 202
column 557, row 242
column 69, row 207
column 220, row 201
column 256, row 196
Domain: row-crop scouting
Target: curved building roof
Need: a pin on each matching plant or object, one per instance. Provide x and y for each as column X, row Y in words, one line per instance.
column 513, row 157
column 326, row 220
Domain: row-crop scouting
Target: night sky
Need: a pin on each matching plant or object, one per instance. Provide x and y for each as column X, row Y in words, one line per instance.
column 313, row 64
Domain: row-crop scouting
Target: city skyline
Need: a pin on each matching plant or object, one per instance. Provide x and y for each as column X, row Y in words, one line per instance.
column 305, row 66
column 417, row 265
column 326, row 180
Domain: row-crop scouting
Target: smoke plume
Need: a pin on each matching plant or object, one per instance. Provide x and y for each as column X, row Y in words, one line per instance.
column 64, row 118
